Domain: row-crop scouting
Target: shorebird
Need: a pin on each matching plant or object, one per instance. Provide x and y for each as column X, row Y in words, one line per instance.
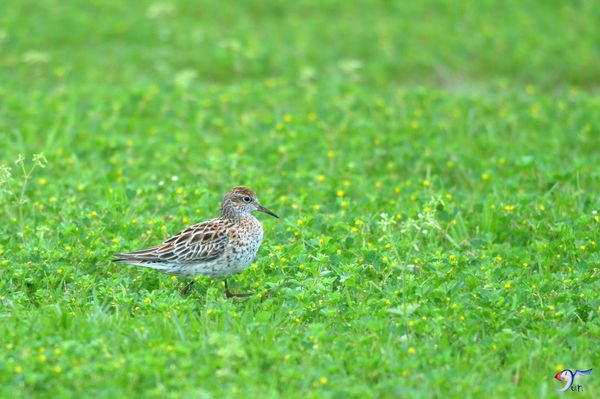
column 216, row 248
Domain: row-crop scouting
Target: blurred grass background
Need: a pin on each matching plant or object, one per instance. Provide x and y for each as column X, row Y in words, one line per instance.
column 436, row 163
column 443, row 43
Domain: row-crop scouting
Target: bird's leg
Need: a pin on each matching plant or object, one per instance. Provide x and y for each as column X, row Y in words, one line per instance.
column 186, row 289
column 230, row 294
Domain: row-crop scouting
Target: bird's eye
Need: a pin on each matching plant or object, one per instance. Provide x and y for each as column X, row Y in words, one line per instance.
column 247, row 199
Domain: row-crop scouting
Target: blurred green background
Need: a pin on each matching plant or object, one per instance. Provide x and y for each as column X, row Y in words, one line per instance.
column 436, row 163
column 441, row 43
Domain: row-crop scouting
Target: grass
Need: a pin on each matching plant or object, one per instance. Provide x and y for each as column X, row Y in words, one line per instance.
column 436, row 165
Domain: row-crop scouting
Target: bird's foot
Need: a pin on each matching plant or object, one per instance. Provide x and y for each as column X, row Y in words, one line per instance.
column 184, row 291
column 230, row 294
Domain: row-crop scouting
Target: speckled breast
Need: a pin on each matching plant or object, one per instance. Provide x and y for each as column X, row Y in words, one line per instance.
column 244, row 242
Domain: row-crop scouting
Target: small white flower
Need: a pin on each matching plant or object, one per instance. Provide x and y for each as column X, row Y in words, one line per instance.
column 174, row 178
column 161, row 183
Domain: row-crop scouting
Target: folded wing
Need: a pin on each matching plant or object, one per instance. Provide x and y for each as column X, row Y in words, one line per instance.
column 199, row 243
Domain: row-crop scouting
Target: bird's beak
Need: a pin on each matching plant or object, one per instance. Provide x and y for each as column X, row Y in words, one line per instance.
column 557, row 376
column 267, row 211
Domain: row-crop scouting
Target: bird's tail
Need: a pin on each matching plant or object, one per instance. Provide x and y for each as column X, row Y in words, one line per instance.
column 142, row 258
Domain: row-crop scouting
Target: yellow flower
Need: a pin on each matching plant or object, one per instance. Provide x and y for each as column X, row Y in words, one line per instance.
column 485, row 176
column 68, row 248
column 42, row 181
column 344, row 204
column 323, row 380
column 354, row 229
column 509, row 208
column 321, row 178
column 300, row 222
column 340, row 193
column 180, row 190
column 57, row 369
column 147, row 300
column 411, row 350
column 426, row 183
column 92, row 214
column 507, row 286
column 18, row 369
column 453, row 306
column 287, row 118
column 330, row 154
column 345, row 183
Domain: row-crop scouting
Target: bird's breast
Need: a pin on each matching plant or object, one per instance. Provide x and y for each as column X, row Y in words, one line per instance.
column 244, row 241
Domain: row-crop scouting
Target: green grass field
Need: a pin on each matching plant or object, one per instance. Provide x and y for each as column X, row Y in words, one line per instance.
column 436, row 164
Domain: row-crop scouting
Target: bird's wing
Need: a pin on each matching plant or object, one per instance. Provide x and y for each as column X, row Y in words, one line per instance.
column 198, row 243
column 579, row 373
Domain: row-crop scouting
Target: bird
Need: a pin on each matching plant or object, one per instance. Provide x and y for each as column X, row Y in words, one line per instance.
column 216, row 248
column 568, row 376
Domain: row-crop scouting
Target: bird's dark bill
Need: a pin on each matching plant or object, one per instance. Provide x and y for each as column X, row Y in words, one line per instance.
column 267, row 211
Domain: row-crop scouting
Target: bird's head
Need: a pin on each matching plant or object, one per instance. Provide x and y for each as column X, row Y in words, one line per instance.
column 241, row 201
